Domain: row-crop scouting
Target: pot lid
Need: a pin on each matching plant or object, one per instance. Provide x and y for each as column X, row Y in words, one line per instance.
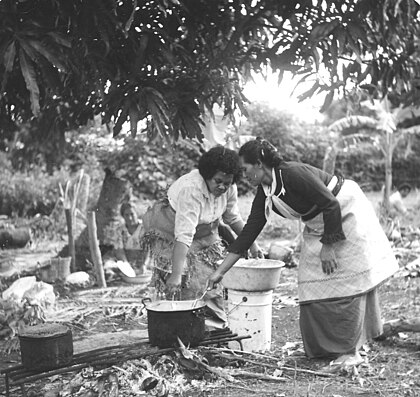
column 44, row 330
column 176, row 306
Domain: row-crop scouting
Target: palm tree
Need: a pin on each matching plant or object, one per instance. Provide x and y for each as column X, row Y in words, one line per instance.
column 384, row 130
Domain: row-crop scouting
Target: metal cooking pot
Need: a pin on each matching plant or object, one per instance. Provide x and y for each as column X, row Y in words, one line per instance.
column 167, row 320
column 46, row 346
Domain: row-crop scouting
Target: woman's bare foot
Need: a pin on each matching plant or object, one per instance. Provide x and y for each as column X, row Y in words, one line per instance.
column 346, row 360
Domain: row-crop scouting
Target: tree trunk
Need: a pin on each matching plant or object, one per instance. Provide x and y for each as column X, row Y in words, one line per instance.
column 329, row 159
column 72, row 248
column 388, row 170
column 113, row 192
column 94, row 249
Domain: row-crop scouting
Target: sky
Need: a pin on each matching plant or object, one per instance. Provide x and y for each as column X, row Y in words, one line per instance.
column 280, row 96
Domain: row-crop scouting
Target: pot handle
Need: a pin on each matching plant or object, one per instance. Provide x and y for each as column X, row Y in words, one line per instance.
column 145, row 302
column 244, row 299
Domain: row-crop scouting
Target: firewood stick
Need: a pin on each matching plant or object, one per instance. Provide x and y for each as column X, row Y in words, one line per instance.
column 393, row 327
column 282, row 368
column 246, row 374
column 94, row 249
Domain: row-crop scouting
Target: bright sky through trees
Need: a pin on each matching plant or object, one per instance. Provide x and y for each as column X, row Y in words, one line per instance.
column 280, row 97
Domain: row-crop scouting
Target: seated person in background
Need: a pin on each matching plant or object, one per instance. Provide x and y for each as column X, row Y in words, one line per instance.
column 127, row 255
column 396, row 205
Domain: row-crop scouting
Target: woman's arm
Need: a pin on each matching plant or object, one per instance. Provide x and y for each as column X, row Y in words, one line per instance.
column 255, row 249
column 253, row 226
column 179, row 254
column 305, row 187
column 218, row 274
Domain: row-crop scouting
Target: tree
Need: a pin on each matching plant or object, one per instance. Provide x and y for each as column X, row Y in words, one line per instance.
column 295, row 139
column 160, row 64
column 390, row 124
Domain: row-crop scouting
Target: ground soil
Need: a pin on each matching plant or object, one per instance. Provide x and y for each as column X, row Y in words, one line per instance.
column 391, row 367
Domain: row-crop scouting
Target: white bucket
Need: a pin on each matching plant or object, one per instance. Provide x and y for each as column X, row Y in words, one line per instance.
column 250, row 313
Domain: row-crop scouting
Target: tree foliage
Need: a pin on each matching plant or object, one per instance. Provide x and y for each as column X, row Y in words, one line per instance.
column 295, row 139
column 160, row 64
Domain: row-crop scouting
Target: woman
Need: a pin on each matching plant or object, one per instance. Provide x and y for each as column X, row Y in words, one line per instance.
column 128, row 254
column 182, row 230
column 344, row 257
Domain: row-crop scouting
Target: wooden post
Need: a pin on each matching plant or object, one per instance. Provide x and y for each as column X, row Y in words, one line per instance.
column 72, row 249
column 94, row 249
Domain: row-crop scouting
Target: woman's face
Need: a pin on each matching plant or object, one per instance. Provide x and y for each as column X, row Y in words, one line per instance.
column 220, row 183
column 252, row 172
column 130, row 217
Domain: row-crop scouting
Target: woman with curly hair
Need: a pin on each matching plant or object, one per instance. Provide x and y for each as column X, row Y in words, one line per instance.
column 182, row 229
column 344, row 257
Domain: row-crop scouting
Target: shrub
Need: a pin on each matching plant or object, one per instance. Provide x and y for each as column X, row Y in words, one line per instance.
column 151, row 167
column 25, row 194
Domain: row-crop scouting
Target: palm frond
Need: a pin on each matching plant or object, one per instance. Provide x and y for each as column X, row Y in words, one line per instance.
column 353, row 121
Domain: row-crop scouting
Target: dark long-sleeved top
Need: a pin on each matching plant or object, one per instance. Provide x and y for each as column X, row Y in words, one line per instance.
column 305, row 191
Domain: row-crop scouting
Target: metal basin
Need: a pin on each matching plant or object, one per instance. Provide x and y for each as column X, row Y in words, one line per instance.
column 253, row 275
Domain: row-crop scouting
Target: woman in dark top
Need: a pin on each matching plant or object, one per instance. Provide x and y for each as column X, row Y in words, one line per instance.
column 345, row 254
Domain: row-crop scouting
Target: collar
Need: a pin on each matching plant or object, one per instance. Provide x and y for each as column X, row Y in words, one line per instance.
column 271, row 190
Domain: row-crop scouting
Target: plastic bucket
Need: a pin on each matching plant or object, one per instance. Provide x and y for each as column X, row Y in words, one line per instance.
column 250, row 313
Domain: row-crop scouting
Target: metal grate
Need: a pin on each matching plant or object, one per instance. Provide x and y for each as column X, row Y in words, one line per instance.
column 107, row 356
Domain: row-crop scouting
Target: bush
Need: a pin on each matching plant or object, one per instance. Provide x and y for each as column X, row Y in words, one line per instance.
column 151, row 167
column 25, row 194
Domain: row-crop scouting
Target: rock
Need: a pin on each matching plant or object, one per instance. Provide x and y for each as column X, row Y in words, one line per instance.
column 280, row 250
column 80, row 279
column 14, row 238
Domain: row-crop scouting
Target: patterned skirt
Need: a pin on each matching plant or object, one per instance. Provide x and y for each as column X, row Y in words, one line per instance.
column 203, row 258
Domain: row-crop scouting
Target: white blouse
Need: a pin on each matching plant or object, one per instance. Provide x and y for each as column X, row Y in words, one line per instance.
column 195, row 205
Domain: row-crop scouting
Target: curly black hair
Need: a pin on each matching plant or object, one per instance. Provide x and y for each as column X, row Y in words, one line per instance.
column 218, row 159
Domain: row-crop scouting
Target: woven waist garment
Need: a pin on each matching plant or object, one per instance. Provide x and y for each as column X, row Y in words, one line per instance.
column 365, row 259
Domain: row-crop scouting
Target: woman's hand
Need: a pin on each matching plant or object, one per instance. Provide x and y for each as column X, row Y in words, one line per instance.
column 218, row 274
column 256, row 252
column 173, row 283
column 213, row 280
column 328, row 259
